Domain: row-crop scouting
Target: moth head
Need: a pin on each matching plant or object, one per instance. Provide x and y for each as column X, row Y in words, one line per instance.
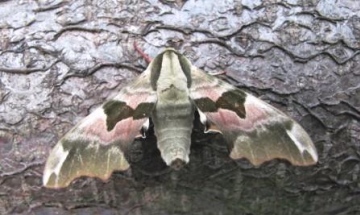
column 170, row 63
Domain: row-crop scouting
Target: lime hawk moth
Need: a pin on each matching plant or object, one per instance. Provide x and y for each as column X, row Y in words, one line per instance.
column 169, row 92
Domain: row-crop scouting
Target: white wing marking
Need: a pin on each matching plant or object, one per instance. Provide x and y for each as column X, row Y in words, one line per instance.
column 54, row 166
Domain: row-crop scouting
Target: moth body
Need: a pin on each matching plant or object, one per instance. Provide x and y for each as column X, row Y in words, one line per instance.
column 169, row 92
column 173, row 114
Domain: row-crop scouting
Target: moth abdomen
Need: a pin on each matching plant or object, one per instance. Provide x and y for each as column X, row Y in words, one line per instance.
column 175, row 146
column 177, row 164
column 173, row 126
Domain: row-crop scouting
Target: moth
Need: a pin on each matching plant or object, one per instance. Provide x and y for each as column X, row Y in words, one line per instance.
column 169, row 92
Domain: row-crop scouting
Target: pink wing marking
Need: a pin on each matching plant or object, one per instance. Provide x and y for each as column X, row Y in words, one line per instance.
column 212, row 94
column 124, row 131
column 133, row 100
column 206, row 85
column 256, row 114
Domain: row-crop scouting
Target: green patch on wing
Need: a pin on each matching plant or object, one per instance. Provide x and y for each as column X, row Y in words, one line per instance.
column 118, row 110
column 84, row 158
column 231, row 100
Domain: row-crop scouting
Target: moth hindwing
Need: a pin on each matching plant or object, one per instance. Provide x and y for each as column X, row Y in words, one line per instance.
column 169, row 92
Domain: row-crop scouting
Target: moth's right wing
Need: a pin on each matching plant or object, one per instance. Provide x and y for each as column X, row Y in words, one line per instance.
column 95, row 147
column 254, row 129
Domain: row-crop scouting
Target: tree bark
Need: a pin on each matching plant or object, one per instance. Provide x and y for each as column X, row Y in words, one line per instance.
column 61, row 59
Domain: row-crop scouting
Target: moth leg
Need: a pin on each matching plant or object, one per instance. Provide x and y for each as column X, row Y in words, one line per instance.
column 144, row 129
column 209, row 126
column 142, row 53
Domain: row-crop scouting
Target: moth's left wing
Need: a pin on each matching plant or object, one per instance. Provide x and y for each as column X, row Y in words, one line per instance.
column 256, row 130
column 95, row 147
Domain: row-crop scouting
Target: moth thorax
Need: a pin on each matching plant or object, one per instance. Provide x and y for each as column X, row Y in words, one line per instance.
column 174, row 94
column 171, row 73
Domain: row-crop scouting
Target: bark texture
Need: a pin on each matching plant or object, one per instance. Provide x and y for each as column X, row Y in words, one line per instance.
column 61, row 59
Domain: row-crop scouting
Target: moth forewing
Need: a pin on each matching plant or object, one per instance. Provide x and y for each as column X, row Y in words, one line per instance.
column 254, row 129
column 95, row 146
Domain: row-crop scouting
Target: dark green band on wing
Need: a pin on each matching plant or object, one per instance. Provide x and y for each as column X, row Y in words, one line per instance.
column 118, row 110
column 143, row 110
column 206, row 105
column 231, row 100
column 115, row 112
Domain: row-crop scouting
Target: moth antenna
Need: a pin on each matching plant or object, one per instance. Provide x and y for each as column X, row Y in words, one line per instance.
column 218, row 73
